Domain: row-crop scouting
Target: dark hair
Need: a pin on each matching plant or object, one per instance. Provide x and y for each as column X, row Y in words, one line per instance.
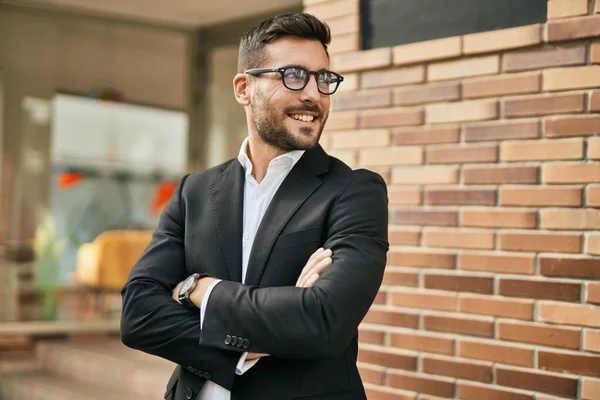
column 253, row 43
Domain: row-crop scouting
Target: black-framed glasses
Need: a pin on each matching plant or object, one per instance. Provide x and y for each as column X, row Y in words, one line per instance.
column 296, row 78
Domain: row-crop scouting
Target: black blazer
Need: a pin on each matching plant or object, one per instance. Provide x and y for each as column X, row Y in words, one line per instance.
column 310, row 333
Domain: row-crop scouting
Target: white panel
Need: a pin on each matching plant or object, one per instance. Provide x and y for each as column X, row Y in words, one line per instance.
column 81, row 128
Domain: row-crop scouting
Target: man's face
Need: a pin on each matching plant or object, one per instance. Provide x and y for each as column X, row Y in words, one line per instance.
column 290, row 120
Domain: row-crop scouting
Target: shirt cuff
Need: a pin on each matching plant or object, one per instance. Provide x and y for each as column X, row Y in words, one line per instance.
column 205, row 301
column 243, row 365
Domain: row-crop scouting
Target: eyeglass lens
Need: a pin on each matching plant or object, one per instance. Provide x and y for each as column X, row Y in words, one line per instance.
column 297, row 78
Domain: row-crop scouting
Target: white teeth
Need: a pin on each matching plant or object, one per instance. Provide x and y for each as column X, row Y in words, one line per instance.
column 302, row 117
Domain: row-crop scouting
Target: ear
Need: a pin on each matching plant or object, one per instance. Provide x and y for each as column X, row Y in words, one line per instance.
column 240, row 89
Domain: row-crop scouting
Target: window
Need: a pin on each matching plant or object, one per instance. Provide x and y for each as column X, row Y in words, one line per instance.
column 394, row 22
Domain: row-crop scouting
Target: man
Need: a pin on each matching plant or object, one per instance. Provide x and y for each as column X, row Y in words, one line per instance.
column 288, row 244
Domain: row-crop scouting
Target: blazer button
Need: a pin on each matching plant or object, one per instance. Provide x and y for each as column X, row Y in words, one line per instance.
column 246, row 343
column 234, row 340
column 188, row 393
column 207, row 375
column 239, row 343
column 227, row 339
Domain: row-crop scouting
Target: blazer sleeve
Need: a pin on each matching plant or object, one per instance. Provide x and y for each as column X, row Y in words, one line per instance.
column 320, row 321
column 151, row 321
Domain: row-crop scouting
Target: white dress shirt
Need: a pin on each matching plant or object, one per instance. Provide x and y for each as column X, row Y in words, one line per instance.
column 256, row 200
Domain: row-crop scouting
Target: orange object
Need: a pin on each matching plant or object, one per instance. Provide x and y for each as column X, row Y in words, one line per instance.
column 67, row 180
column 164, row 192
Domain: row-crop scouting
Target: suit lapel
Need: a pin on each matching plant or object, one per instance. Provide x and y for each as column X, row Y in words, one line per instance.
column 227, row 199
column 300, row 183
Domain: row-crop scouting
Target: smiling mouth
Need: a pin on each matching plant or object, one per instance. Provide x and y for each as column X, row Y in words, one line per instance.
column 302, row 117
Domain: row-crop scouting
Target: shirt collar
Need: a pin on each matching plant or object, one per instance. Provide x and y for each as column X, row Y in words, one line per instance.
column 288, row 159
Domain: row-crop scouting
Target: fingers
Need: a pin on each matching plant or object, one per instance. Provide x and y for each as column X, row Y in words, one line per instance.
column 175, row 292
column 317, row 262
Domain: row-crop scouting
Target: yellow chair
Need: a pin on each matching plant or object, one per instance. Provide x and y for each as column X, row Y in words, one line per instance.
column 105, row 263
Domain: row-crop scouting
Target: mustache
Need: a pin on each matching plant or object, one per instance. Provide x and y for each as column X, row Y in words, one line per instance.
column 306, row 108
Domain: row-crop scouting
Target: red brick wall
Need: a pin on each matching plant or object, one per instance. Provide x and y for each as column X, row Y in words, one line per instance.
column 490, row 145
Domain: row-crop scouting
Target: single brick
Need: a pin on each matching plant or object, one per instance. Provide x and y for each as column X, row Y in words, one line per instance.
column 592, row 196
column 426, row 135
column 404, row 236
column 544, row 290
column 486, row 351
column 537, row 381
column 593, row 293
column 566, row 8
column 370, row 335
column 573, row 28
column 427, row 50
column 541, row 105
column 592, row 244
column 538, row 334
column 591, row 341
column 502, row 130
column 502, row 85
column 344, row 24
column 350, row 157
column 473, row 110
column 584, row 125
column 572, row 78
column 435, row 92
column 462, row 154
column 460, row 239
column 372, row 373
column 581, row 364
column 422, row 342
column 593, row 149
column 540, row 242
column 487, row 65
column 459, row 283
column 342, row 120
column 362, row 60
column 372, row 98
column 536, row 196
column 570, row 267
column 393, row 77
column 428, row 300
column 595, row 101
column 386, row 357
column 466, row 326
column 500, row 174
column 497, row 263
column 590, row 388
column 496, row 306
column 391, row 117
column 542, row 150
column 502, row 39
column 446, row 366
column 360, row 138
column 392, row 318
column 400, row 278
column 581, row 220
column 391, row 156
column 425, row 175
column 422, row 258
column 460, row 196
column 387, row 393
column 498, row 218
column 570, row 173
column 543, row 58
column 568, row 314
column 436, row 386
column 425, row 217
column 408, row 196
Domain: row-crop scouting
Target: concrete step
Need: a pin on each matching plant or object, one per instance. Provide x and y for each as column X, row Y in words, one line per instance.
column 45, row 385
column 106, row 363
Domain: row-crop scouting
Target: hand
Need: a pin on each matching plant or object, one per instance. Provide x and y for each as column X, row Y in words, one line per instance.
column 317, row 262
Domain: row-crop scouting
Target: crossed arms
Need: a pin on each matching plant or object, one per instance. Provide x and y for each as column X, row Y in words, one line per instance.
column 286, row 322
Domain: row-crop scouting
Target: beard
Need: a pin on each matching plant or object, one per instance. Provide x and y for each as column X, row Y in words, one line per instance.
column 272, row 130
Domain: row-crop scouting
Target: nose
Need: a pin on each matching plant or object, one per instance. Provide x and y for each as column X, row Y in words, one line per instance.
column 311, row 92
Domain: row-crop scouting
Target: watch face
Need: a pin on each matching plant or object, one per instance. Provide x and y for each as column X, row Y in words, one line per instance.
column 187, row 284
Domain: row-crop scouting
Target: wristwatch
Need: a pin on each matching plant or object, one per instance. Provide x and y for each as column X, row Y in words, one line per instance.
column 188, row 286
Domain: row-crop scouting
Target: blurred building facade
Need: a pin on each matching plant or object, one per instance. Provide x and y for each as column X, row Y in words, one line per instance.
column 484, row 129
